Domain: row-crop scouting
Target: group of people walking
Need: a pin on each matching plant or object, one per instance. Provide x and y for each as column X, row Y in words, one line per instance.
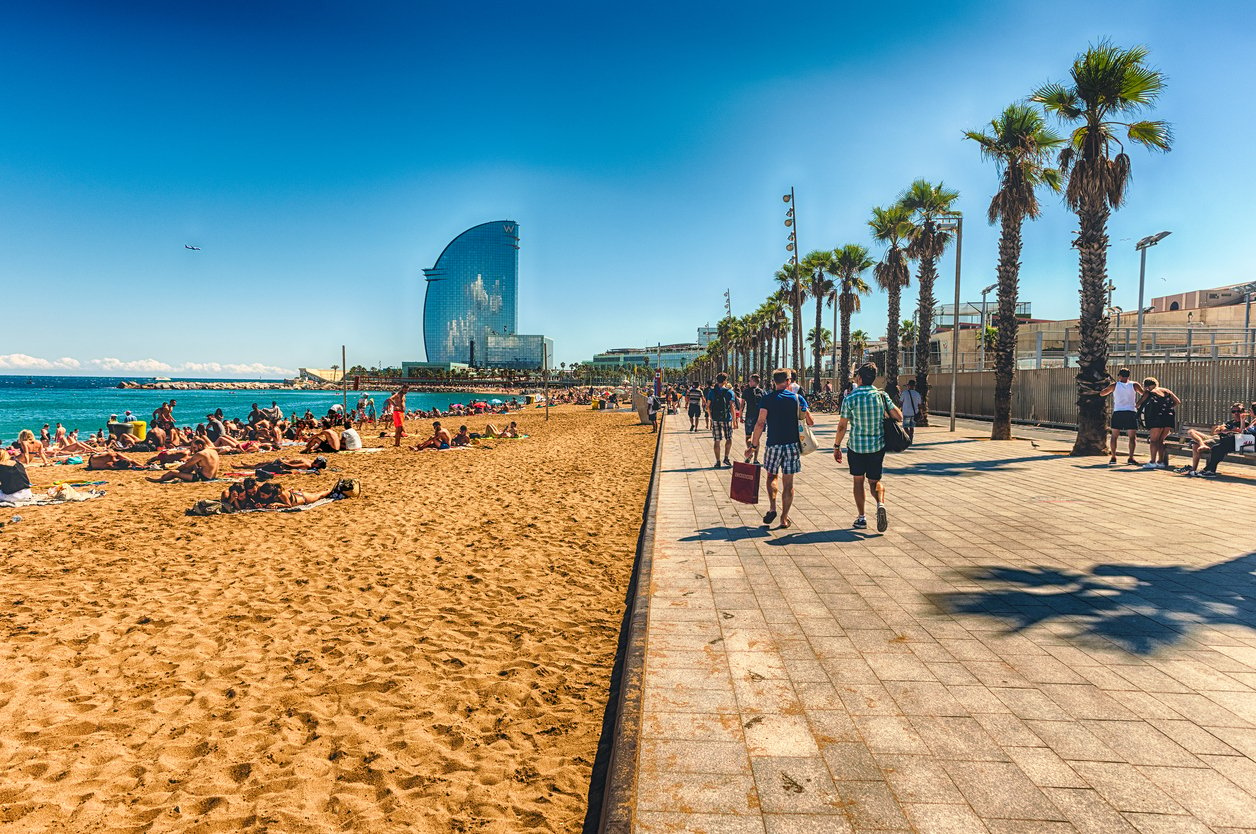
column 773, row 420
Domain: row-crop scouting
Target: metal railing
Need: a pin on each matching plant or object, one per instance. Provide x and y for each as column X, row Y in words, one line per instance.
column 1049, row 396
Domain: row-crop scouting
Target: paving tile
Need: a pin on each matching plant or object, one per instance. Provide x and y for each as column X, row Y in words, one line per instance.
column 697, row 793
column 851, row 761
column 1126, row 789
column 1002, row 790
column 1089, row 812
column 871, row 805
column 795, row 786
column 889, row 734
column 944, row 819
column 657, row 822
column 692, row 726
column 779, row 735
column 1167, row 824
column 805, row 824
column 1073, row 742
column 1141, row 743
column 1206, row 794
column 677, row 756
column 957, row 738
column 1044, row 768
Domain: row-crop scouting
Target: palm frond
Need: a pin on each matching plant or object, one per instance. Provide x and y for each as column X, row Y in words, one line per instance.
column 1157, row 136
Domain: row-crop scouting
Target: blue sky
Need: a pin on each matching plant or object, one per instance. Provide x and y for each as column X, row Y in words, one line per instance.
column 321, row 154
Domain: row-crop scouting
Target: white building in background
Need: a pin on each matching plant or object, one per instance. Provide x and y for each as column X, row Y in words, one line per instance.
column 706, row 335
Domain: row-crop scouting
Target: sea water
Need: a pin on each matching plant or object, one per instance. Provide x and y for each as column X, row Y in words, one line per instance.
column 85, row 403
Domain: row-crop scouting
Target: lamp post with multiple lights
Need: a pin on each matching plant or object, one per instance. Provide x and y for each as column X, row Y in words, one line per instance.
column 791, row 223
column 981, row 334
column 1142, row 246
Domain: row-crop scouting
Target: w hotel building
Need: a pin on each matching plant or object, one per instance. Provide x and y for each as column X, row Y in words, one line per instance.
column 470, row 313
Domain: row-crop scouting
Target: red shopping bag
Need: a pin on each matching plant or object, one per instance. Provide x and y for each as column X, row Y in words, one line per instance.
column 745, row 486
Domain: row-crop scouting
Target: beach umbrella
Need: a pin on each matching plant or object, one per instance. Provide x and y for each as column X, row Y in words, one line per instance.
column 496, row 402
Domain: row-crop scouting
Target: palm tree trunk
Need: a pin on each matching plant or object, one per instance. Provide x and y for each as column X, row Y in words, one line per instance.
column 846, row 303
column 1092, row 325
column 1007, row 324
column 797, row 357
column 924, row 279
column 893, row 302
column 817, row 345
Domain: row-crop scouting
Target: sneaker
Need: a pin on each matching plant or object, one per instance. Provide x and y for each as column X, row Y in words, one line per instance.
column 860, row 523
column 717, row 465
column 1206, row 474
column 1191, row 473
column 1182, row 470
column 883, row 519
column 727, row 462
column 1112, row 459
column 1151, row 465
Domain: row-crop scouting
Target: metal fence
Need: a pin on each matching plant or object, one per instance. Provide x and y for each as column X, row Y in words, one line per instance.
column 1049, row 396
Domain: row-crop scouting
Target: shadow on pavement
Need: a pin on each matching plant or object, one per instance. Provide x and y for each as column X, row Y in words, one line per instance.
column 964, row 467
column 1144, row 609
column 819, row 537
column 727, row 534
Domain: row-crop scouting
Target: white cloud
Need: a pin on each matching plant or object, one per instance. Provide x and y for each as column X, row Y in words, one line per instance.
column 137, row 365
column 22, row 362
column 113, row 366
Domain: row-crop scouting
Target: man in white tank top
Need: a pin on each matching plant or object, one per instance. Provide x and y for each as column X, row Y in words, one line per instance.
column 1125, row 396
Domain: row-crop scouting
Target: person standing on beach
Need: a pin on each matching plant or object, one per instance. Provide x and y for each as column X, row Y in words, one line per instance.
column 398, row 403
column 1125, row 396
column 863, row 413
column 720, row 410
column 779, row 415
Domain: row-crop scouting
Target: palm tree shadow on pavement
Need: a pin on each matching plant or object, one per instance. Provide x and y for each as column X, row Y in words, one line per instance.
column 963, row 467
column 1140, row 608
column 819, row 537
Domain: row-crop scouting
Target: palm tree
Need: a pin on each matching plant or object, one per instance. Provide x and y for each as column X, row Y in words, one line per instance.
column 1019, row 143
column 1109, row 85
column 851, row 262
column 907, row 333
column 892, row 226
column 794, row 282
column 927, row 203
column 778, row 310
column 859, row 343
column 819, row 265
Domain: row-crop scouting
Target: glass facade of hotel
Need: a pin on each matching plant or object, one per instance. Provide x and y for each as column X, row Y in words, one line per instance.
column 472, row 291
column 518, row 352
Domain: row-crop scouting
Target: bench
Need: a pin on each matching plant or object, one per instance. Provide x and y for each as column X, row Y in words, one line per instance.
column 1178, row 443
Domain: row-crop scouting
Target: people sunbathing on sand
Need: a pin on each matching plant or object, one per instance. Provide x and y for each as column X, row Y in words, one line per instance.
column 462, row 438
column 324, row 440
column 29, row 449
column 282, row 466
column 201, row 466
column 510, row 431
column 440, row 439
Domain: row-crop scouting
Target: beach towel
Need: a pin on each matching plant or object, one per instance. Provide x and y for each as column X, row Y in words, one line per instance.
column 209, row 507
column 57, row 495
column 363, row 451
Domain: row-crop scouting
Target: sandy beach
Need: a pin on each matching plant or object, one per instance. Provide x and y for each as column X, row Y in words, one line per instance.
column 432, row 657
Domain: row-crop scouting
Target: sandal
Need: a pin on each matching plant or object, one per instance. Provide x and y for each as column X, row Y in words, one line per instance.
column 769, row 516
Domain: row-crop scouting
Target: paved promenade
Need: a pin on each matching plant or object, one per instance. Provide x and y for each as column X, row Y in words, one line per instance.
column 1037, row 644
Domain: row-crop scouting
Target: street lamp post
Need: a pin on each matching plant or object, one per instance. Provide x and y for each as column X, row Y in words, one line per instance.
column 955, row 222
column 1142, row 246
column 791, row 223
column 981, row 334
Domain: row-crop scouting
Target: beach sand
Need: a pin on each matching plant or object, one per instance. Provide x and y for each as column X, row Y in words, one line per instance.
column 432, row 657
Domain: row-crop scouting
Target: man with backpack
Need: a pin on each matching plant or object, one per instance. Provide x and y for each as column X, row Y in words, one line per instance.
column 720, row 404
column 750, row 396
column 863, row 414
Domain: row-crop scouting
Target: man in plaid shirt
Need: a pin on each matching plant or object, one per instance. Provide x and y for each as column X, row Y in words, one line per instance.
column 863, row 411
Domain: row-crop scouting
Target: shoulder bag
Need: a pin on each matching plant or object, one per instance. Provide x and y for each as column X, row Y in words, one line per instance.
column 896, row 437
column 806, row 438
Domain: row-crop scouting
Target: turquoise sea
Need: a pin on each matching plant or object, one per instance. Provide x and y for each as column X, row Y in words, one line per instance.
column 85, row 403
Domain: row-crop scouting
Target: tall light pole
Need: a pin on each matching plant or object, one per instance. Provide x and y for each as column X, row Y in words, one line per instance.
column 1142, row 246
column 981, row 334
column 791, row 223
column 955, row 222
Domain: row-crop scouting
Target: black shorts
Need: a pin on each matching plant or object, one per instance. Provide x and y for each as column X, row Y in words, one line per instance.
column 867, row 464
column 1124, row 420
column 1161, row 423
column 695, row 411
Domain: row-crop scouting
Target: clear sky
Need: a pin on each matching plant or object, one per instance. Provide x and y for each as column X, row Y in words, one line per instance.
column 322, row 153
